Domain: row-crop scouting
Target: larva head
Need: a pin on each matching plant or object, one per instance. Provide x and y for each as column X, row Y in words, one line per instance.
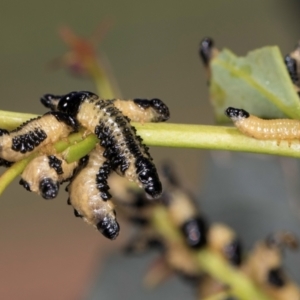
column 25, row 184
column 48, row 188
column 233, row 252
column 148, row 177
column 291, row 65
column 205, row 50
column 276, row 277
column 50, row 101
column 195, row 232
column 70, row 103
column 109, row 227
column 163, row 113
column 236, row 114
column 282, row 239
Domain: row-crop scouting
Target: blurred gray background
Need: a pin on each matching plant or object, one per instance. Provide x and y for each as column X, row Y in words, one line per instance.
column 46, row 253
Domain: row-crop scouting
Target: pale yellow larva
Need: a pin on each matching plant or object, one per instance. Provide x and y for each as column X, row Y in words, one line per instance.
column 277, row 129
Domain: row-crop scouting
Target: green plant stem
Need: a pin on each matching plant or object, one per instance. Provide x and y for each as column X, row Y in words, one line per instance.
column 10, row 120
column 177, row 135
column 11, row 173
column 101, row 79
column 240, row 285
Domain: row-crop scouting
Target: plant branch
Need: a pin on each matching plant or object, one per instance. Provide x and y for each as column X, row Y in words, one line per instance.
column 173, row 135
column 240, row 285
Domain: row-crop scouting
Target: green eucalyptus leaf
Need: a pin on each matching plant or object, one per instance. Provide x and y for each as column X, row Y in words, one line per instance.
column 258, row 83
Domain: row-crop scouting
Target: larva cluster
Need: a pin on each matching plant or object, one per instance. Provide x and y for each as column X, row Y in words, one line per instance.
column 123, row 148
column 119, row 150
column 263, row 265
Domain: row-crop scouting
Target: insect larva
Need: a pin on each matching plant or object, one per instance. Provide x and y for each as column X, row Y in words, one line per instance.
column 138, row 110
column 295, row 56
column 291, row 65
column 34, row 134
column 207, row 50
column 90, row 197
column 264, row 266
column 184, row 212
column 223, row 240
column 123, row 148
column 279, row 129
column 44, row 174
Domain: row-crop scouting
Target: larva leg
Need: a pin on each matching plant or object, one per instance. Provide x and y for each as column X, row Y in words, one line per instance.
column 89, row 195
column 34, row 134
column 44, row 174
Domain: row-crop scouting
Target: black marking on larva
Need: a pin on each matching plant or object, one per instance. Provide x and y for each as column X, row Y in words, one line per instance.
column 162, row 110
column 195, row 232
column 65, row 118
column 291, row 65
column 233, row 252
column 70, row 103
column 48, row 188
column 109, row 227
column 101, row 181
column 50, row 101
column 205, row 50
column 148, row 176
column 236, row 113
column 3, row 132
column 77, row 214
column 25, row 184
column 55, row 164
column 276, row 277
column 27, row 142
column 5, row 163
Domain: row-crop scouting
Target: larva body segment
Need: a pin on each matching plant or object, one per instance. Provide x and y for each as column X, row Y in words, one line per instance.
column 34, row 134
column 278, row 129
column 44, row 174
column 123, row 148
column 143, row 110
column 90, row 197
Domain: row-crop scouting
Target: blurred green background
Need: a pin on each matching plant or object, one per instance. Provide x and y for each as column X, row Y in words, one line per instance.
column 45, row 252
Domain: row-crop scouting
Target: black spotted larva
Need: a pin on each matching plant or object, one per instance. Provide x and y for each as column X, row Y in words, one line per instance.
column 89, row 194
column 34, row 134
column 183, row 211
column 123, row 148
column 224, row 241
column 44, row 174
column 264, row 266
column 138, row 110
